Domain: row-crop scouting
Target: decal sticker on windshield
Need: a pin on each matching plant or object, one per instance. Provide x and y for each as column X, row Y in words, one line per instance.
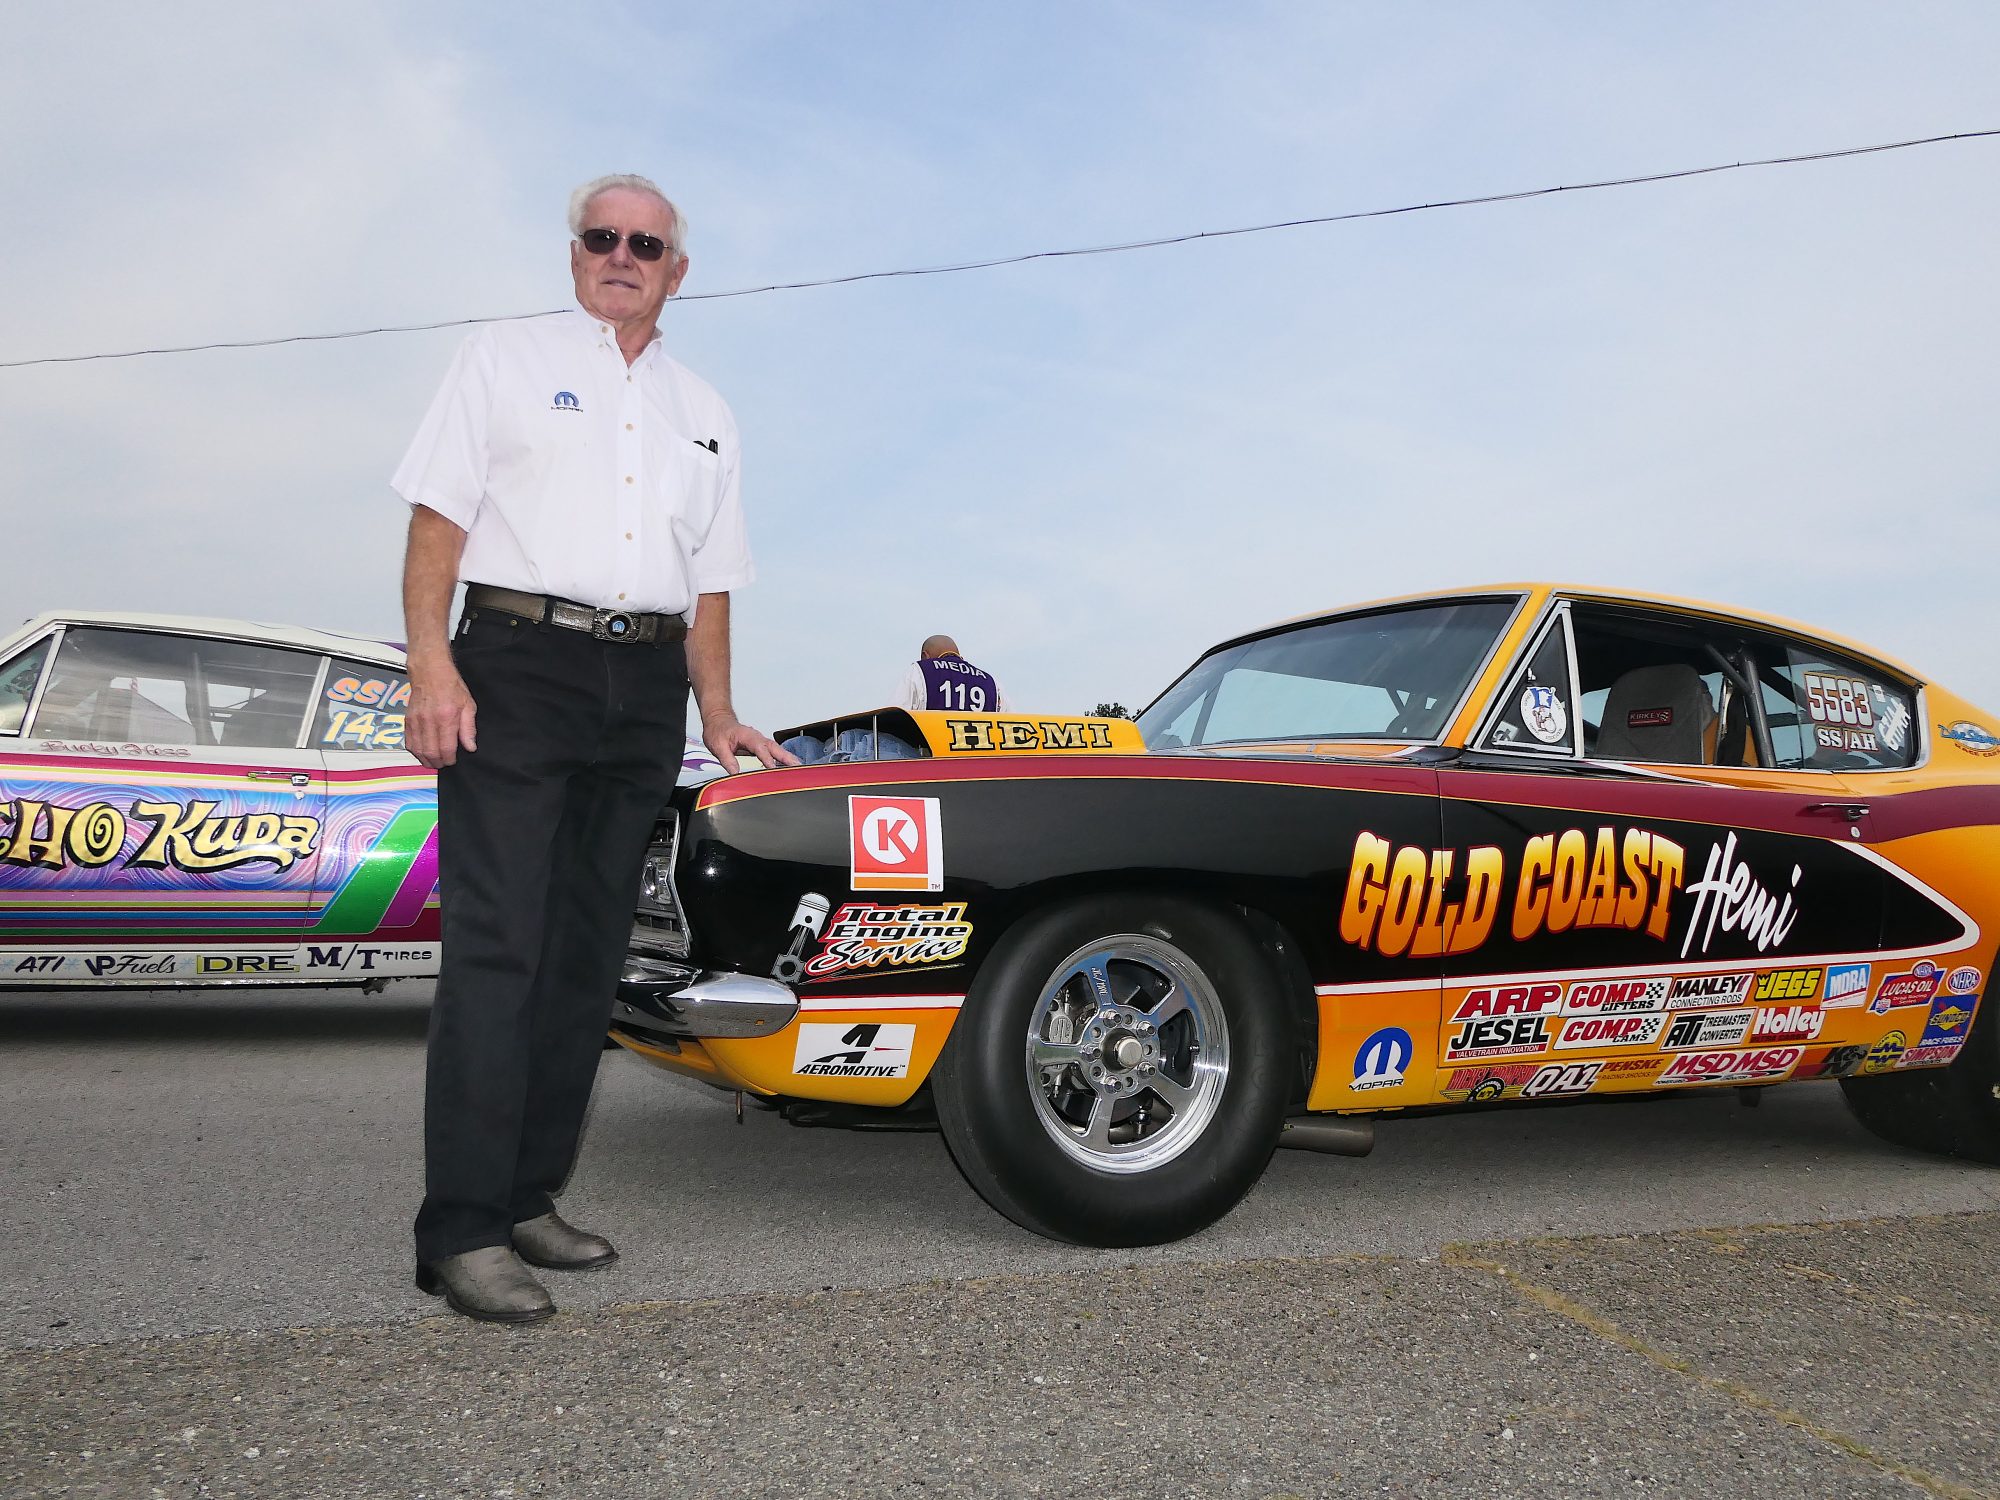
column 1543, row 713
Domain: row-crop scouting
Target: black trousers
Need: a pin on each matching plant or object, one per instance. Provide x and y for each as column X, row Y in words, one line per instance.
column 542, row 831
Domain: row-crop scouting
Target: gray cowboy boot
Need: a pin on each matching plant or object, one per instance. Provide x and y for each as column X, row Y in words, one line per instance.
column 550, row 1243
column 490, row 1284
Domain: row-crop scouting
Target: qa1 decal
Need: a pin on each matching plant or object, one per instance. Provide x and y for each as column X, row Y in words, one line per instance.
column 192, row 836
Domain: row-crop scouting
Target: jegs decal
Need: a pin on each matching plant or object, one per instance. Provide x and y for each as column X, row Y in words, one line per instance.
column 1787, row 984
column 862, row 937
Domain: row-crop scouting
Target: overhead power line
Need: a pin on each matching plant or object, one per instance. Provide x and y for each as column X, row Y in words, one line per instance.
column 955, row 267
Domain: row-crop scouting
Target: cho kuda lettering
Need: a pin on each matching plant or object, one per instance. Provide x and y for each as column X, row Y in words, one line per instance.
column 193, row 836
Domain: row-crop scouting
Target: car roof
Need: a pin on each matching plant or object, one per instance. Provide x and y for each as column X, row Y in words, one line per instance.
column 1542, row 590
column 332, row 642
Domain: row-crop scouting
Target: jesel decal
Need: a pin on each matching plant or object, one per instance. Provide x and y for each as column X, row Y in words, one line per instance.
column 184, row 836
column 866, row 937
column 1395, row 901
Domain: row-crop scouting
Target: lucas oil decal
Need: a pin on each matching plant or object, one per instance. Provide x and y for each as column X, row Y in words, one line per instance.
column 866, row 937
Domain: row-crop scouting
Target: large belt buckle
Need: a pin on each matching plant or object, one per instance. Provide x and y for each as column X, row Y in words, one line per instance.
column 615, row 625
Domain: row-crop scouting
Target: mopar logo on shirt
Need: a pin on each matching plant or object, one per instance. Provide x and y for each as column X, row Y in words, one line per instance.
column 565, row 401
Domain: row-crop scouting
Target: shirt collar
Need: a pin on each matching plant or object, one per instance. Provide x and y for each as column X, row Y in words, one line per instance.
column 588, row 325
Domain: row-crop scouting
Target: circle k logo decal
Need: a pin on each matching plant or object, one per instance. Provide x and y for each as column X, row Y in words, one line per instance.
column 894, row 844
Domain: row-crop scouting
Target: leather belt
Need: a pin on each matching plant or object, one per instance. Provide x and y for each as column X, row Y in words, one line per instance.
column 623, row 627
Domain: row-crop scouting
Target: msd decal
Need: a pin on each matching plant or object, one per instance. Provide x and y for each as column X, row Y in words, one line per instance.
column 1761, row 1065
column 1917, row 987
column 894, row 844
column 1611, row 1031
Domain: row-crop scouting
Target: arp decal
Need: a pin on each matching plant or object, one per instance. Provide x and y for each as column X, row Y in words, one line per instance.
column 1579, row 1032
column 865, row 1049
column 1915, row 987
column 1730, row 897
column 862, row 937
column 1762, row 1065
column 182, row 836
column 970, row 735
column 894, row 844
column 1499, row 1036
column 1556, row 1079
column 1788, row 1023
column 1708, row 1028
column 1970, row 737
column 1692, row 990
column 1847, row 985
column 1395, row 901
column 1617, row 997
column 1509, row 1000
column 1787, row 984
column 1380, row 1061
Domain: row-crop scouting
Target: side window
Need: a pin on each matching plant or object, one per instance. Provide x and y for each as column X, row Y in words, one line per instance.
column 1829, row 714
column 18, row 677
column 1661, row 690
column 1538, row 710
column 128, row 685
column 361, row 707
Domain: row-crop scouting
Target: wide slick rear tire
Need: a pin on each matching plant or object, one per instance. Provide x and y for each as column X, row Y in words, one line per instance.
column 1951, row 1111
column 1119, row 1072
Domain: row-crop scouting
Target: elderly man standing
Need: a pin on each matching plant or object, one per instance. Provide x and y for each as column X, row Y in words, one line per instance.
column 583, row 485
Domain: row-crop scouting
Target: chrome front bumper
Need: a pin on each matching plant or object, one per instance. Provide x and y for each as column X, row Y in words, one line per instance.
column 657, row 997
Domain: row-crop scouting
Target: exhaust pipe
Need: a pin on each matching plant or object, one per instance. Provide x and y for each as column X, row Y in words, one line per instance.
column 1330, row 1134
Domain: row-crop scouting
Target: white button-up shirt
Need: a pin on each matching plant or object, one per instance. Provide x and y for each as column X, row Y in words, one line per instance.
column 578, row 476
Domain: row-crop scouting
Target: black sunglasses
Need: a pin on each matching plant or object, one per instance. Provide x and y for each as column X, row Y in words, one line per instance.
column 604, row 241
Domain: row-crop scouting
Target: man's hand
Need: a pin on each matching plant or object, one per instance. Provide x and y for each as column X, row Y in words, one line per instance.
column 440, row 716
column 727, row 738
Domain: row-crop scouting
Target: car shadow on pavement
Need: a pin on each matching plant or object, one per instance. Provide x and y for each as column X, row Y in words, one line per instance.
column 262, row 1016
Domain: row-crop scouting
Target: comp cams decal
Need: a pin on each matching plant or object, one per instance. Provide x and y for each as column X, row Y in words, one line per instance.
column 894, row 844
column 866, row 1049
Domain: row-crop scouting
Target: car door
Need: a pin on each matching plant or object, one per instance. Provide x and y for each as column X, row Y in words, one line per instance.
column 374, row 912
column 1680, row 878
column 162, row 822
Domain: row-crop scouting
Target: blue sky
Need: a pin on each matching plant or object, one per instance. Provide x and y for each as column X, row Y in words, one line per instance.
column 1768, row 388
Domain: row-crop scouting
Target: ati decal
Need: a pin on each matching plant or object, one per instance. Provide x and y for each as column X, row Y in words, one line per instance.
column 1610, row 1031
column 1499, row 1036
column 894, row 844
column 1557, row 1079
column 1730, row 896
column 870, row 1049
column 866, row 937
column 1787, row 984
column 967, row 735
column 1788, row 1023
column 1962, row 981
column 1617, row 997
column 807, row 919
column 1949, row 1022
column 1970, row 738
column 182, row 836
column 1483, row 1085
column 1931, row 1056
column 1763, row 1064
column 1395, row 901
column 1846, row 985
column 39, row 963
column 1886, row 1053
column 1692, row 990
column 1510, row 1000
column 1708, row 1028
column 1379, row 1062
column 1917, row 987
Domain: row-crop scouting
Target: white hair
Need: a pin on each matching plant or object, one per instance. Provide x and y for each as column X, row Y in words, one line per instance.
column 581, row 199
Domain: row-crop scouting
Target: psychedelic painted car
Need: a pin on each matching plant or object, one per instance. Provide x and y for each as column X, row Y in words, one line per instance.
column 203, row 802
column 1524, row 843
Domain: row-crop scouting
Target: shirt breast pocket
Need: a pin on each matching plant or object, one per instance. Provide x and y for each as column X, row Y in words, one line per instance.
column 694, row 490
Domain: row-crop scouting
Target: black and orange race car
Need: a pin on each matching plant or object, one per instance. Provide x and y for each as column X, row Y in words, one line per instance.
column 1517, row 843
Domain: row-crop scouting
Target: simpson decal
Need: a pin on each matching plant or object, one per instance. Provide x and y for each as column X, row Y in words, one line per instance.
column 869, row 1049
column 1847, row 985
column 1929, row 1056
column 1616, row 997
column 1759, row 1066
column 1916, row 987
column 866, row 937
column 1610, row 1031
column 1708, row 1028
column 894, row 844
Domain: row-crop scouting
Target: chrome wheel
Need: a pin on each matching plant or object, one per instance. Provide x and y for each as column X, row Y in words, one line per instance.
column 1127, row 1053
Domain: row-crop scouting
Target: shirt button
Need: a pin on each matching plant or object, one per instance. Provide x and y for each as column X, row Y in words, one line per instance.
column 621, row 596
column 628, row 478
column 628, row 536
column 628, row 426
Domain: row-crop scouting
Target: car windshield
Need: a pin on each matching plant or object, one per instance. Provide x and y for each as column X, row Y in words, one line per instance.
column 1394, row 675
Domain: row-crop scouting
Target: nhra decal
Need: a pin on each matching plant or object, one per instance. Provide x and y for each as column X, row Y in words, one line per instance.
column 1692, row 990
column 1396, row 903
column 862, row 937
column 894, row 844
column 1708, row 1028
column 970, row 735
column 1788, row 1023
column 1962, row 981
column 186, row 836
column 1787, row 984
column 1762, row 1065
column 1610, row 1031
column 869, row 1049
column 1917, row 987
column 1499, row 1036
column 1847, row 985
column 1617, row 997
